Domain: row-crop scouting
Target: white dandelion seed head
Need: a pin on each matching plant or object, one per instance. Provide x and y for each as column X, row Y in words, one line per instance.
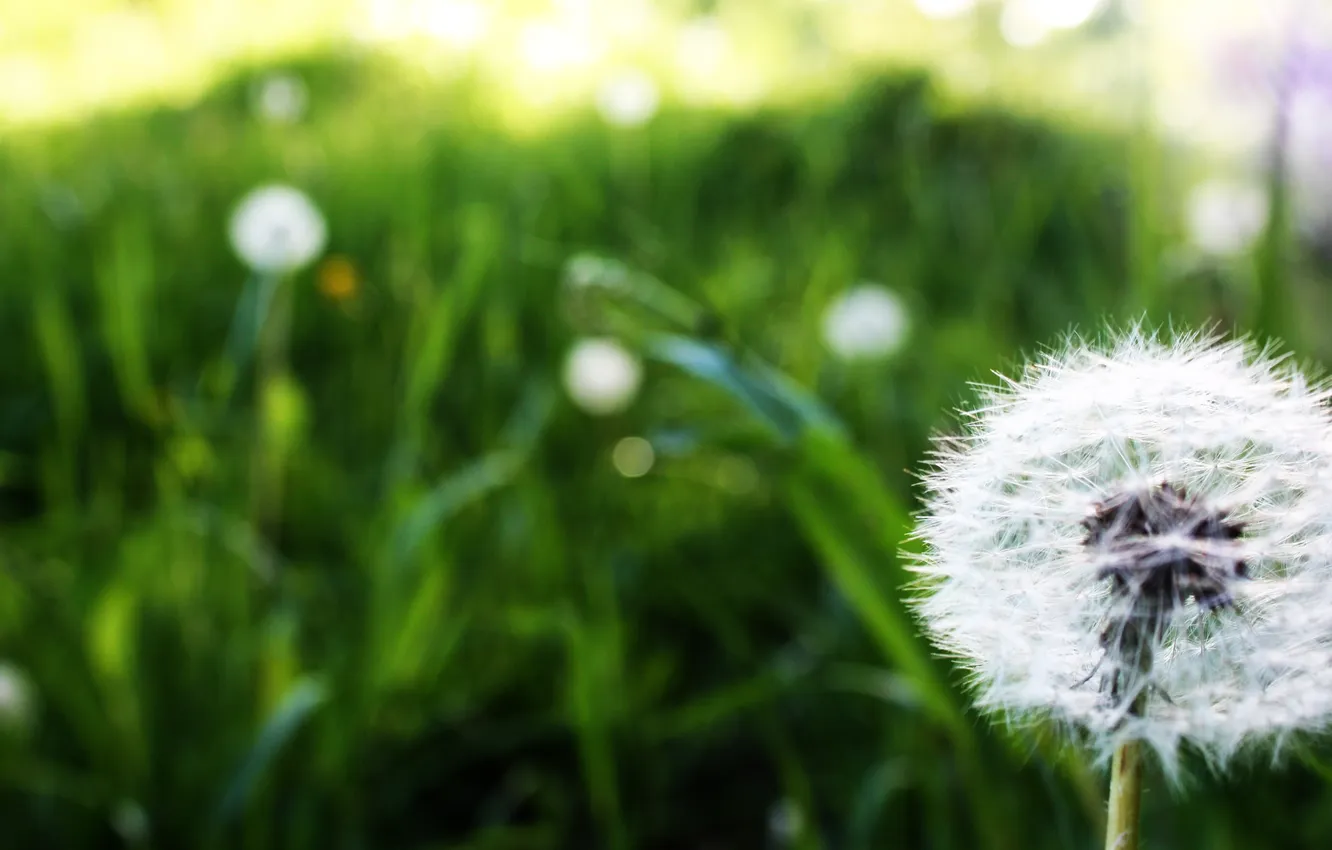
column 628, row 98
column 866, row 322
column 1009, row 587
column 277, row 229
column 602, row 376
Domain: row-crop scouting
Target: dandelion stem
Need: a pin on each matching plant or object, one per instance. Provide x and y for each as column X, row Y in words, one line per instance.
column 1121, row 822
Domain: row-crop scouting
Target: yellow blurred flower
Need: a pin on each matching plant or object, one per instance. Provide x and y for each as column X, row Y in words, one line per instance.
column 338, row 279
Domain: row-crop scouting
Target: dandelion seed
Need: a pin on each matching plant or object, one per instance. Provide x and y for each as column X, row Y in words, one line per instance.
column 866, row 322
column 277, row 229
column 1134, row 539
column 601, row 376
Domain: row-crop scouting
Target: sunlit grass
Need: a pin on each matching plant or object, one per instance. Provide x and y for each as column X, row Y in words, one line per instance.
column 60, row 60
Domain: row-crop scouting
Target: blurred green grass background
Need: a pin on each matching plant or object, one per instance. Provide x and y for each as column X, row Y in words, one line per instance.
column 393, row 592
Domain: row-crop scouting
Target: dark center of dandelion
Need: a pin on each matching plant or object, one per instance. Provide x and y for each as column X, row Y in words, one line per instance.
column 1161, row 548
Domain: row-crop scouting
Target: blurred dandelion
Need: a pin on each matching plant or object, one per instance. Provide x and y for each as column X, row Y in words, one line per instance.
column 281, row 98
column 785, row 822
column 130, row 822
column 866, row 322
column 277, row 229
column 1152, row 516
column 1225, row 217
column 338, row 279
column 15, row 697
column 628, row 98
column 602, row 376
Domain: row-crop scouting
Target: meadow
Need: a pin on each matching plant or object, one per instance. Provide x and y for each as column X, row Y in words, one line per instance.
column 355, row 572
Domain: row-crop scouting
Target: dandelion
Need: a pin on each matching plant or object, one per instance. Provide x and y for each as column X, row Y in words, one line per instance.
column 601, row 376
column 1133, row 539
column 15, row 697
column 277, row 229
column 281, row 98
column 130, row 822
column 1224, row 217
column 866, row 322
column 628, row 99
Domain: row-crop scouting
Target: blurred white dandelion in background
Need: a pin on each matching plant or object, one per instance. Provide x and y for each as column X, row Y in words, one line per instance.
column 281, row 98
column 633, row 457
column 785, row 822
column 601, row 376
column 866, row 322
column 15, row 697
column 628, row 98
column 1186, row 484
column 276, row 229
column 130, row 822
column 1224, row 217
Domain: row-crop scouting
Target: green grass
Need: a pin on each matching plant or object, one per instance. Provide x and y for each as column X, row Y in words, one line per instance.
column 392, row 592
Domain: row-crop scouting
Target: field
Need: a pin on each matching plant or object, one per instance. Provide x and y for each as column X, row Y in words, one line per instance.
column 352, row 570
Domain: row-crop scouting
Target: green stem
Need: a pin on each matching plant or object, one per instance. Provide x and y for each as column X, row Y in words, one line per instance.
column 1121, row 823
column 1125, row 806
